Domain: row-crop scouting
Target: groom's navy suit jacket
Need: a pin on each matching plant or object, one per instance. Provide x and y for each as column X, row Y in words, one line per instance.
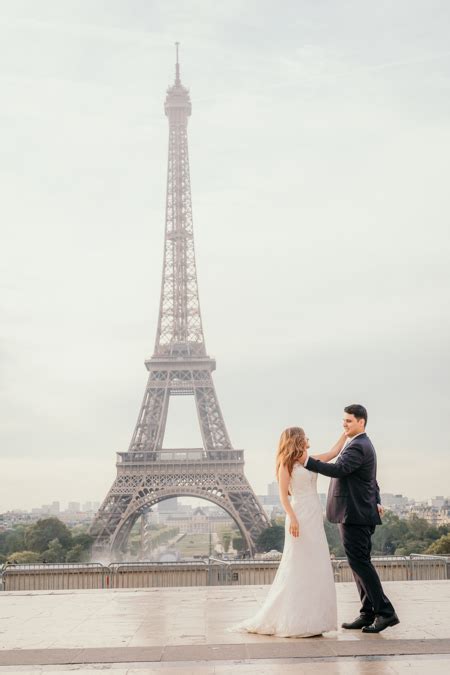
column 354, row 493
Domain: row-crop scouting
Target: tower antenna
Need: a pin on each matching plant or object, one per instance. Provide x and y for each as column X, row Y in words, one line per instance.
column 177, row 66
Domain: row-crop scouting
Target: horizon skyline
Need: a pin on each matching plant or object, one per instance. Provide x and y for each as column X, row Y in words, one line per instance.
column 187, row 499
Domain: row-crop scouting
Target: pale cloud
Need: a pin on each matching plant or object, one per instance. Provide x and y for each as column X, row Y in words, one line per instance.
column 319, row 146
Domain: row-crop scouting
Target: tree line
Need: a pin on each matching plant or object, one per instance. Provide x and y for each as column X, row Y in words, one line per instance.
column 48, row 540
column 396, row 536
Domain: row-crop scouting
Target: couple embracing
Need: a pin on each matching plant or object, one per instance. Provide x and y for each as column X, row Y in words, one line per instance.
column 302, row 599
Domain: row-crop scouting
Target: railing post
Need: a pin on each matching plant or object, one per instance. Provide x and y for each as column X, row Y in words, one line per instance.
column 410, row 567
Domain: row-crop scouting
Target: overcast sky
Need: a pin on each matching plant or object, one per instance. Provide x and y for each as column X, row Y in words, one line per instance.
column 320, row 162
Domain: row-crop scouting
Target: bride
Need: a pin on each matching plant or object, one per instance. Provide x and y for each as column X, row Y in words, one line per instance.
column 302, row 599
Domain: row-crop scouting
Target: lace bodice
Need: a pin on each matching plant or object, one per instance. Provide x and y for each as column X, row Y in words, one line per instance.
column 303, row 482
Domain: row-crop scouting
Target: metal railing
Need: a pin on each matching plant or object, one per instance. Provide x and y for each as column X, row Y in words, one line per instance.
column 400, row 568
column 53, row 576
column 158, row 574
column 208, row 572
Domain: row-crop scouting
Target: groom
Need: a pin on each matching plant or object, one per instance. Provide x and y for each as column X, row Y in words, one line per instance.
column 354, row 503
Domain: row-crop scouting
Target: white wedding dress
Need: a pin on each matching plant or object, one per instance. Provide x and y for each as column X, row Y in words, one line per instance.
column 302, row 599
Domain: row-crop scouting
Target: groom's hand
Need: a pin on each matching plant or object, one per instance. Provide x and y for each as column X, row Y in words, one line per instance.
column 380, row 509
column 303, row 457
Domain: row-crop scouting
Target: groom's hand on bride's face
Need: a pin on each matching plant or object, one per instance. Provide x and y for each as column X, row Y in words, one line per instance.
column 303, row 457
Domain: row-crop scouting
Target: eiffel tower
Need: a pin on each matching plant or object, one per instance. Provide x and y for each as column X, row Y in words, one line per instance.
column 147, row 473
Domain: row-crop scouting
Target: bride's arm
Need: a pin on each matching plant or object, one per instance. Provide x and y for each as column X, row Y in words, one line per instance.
column 335, row 450
column 283, row 485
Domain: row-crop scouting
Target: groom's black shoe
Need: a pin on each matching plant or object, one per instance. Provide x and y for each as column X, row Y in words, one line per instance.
column 359, row 623
column 380, row 623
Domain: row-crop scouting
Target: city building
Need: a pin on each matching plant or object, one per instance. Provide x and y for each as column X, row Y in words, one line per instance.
column 168, row 505
column 397, row 503
column 437, row 502
column 273, row 489
column 199, row 521
column 432, row 514
column 73, row 507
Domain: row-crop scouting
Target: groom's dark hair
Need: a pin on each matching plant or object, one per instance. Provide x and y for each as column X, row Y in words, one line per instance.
column 358, row 411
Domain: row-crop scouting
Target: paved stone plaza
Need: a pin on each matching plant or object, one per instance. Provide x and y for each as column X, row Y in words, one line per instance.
column 184, row 630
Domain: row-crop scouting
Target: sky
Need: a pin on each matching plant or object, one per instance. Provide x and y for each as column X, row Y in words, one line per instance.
column 320, row 153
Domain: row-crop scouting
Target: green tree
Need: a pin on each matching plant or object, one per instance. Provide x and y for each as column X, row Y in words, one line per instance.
column 81, row 546
column 390, row 535
column 55, row 553
column 12, row 540
column 82, row 539
column 39, row 535
column 443, row 529
column 77, row 554
column 24, row 557
column 333, row 538
column 271, row 538
column 440, row 547
column 238, row 543
column 418, row 527
column 411, row 546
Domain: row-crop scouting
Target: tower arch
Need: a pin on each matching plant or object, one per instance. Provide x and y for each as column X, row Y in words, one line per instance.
column 121, row 535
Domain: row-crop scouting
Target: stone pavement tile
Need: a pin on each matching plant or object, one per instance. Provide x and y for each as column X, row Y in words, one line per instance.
column 224, row 637
column 120, row 655
column 189, row 633
column 30, row 657
column 83, row 670
column 68, row 669
column 429, row 665
column 304, row 648
column 83, row 641
column 203, row 652
column 432, row 666
column 30, row 643
column 148, row 635
column 375, row 645
column 64, row 657
column 307, row 668
column 179, row 669
column 347, row 668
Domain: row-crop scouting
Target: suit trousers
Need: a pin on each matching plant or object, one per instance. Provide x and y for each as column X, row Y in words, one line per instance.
column 357, row 546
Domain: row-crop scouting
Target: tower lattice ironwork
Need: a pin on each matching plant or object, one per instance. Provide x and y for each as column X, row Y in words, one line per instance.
column 147, row 473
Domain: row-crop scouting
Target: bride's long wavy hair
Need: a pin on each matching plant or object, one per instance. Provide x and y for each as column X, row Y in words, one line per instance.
column 291, row 446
